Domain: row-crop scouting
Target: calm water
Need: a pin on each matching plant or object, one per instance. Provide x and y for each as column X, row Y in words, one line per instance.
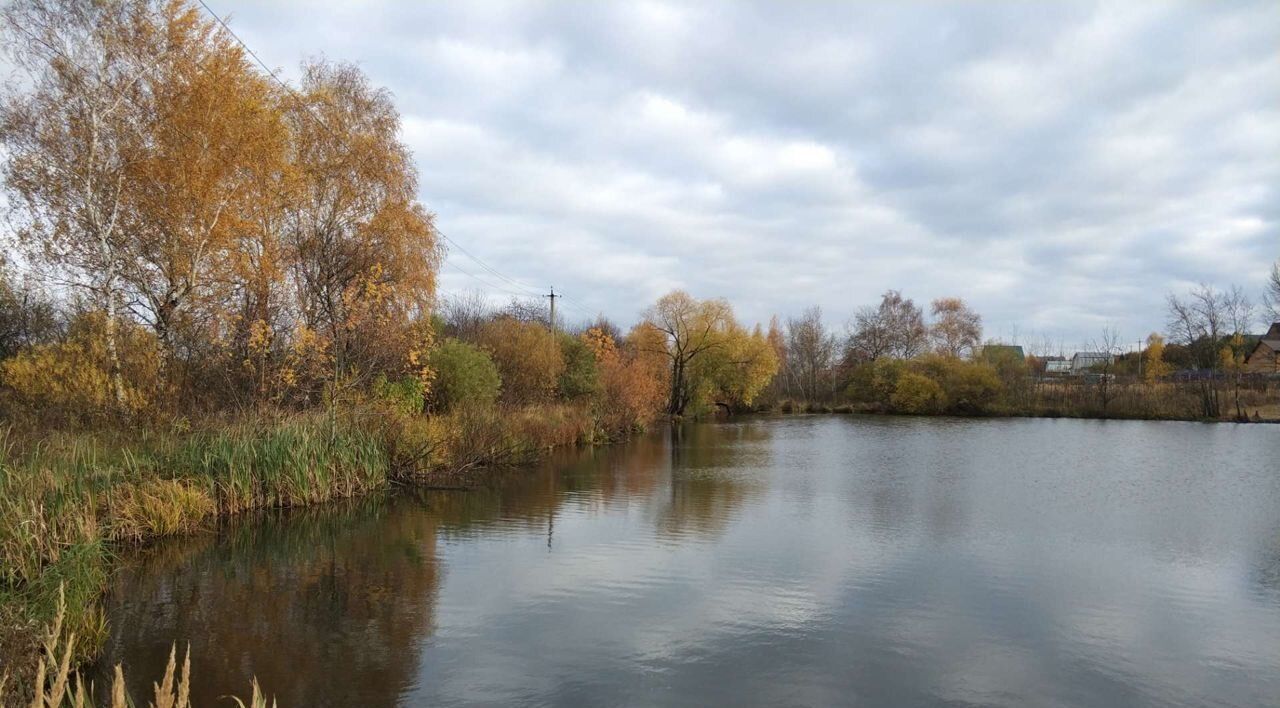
column 794, row 561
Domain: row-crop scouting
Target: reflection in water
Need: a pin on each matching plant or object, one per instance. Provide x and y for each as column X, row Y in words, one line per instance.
column 802, row 560
column 349, row 589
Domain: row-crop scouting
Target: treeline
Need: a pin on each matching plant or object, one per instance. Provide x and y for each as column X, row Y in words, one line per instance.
column 222, row 297
column 892, row 358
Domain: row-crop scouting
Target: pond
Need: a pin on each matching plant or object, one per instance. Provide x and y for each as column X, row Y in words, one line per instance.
column 806, row 560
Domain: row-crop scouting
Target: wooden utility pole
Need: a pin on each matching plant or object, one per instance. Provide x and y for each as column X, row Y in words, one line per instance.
column 553, row 297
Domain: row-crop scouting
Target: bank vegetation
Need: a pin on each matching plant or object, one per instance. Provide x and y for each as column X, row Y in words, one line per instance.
column 222, row 297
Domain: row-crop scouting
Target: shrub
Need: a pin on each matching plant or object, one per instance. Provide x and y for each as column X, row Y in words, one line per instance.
column 527, row 356
column 27, row 315
column 875, row 382
column 580, row 376
column 917, row 393
column 464, row 374
column 405, row 395
column 970, row 386
column 71, row 379
column 632, row 382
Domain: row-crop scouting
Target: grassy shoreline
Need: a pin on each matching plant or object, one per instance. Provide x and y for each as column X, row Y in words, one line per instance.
column 68, row 499
column 820, row 409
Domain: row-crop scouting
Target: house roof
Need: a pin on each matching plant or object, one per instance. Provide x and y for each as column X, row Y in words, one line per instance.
column 1270, row 340
column 1272, row 344
column 1013, row 350
column 1090, row 355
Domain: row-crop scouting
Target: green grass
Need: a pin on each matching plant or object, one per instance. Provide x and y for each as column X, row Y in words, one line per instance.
column 65, row 499
column 298, row 462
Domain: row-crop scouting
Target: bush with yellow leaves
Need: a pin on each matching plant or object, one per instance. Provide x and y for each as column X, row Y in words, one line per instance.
column 70, row 380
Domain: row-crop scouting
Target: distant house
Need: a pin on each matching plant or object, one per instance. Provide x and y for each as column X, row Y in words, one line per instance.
column 1081, row 362
column 994, row 353
column 1057, row 367
column 1265, row 356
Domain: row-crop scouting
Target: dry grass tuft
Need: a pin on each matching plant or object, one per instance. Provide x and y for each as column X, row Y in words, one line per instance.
column 58, row 684
column 157, row 507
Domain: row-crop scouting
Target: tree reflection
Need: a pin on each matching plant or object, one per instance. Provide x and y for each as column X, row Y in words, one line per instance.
column 326, row 607
column 330, row 606
column 712, row 475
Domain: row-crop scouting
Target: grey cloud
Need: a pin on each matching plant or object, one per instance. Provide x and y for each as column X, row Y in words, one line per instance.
column 1062, row 165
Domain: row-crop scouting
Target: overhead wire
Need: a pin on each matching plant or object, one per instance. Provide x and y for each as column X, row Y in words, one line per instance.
column 527, row 291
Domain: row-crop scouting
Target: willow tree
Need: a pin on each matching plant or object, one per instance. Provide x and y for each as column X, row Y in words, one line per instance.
column 363, row 252
column 733, row 374
column 710, row 357
column 71, row 139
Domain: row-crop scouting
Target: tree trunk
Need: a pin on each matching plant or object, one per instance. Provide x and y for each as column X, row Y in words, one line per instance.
column 111, row 332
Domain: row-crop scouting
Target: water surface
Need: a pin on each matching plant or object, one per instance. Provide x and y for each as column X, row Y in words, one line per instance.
column 783, row 561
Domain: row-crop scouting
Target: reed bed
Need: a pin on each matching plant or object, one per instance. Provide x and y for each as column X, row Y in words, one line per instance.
column 67, row 499
column 298, row 462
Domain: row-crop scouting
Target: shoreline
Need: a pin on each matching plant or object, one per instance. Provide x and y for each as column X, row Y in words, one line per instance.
column 846, row 410
column 174, row 496
column 462, row 474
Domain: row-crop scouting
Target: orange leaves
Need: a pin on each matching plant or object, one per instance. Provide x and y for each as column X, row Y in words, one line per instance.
column 600, row 343
column 632, row 382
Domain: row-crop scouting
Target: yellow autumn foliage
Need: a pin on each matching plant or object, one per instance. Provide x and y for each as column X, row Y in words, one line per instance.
column 71, row 378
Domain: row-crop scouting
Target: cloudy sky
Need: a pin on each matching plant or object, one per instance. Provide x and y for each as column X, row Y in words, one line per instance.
column 1061, row 166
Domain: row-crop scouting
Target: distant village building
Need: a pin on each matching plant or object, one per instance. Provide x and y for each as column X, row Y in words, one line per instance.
column 1057, row 366
column 993, row 353
column 1265, row 356
column 1081, row 362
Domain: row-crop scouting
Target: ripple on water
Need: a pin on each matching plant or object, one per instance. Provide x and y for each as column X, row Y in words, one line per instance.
column 808, row 560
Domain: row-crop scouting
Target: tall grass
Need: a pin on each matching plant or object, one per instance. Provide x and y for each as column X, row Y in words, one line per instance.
column 57, row 682
column 67, row 499
column 300, row 461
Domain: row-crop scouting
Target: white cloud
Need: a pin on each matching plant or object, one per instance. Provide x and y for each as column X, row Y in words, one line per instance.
column 1062, row 166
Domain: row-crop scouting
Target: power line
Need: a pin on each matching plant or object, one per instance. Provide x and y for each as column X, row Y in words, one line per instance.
column 575, row 304
column 531, row 292
column 488, row 267
column 261, row 63
column 484, row 282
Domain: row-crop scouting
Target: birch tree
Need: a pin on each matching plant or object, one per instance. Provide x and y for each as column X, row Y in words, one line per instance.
column 810, row 349
column 71, row 133
column 215, row 142
column 895, row 329
column 957, row 329
column 361, row 245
